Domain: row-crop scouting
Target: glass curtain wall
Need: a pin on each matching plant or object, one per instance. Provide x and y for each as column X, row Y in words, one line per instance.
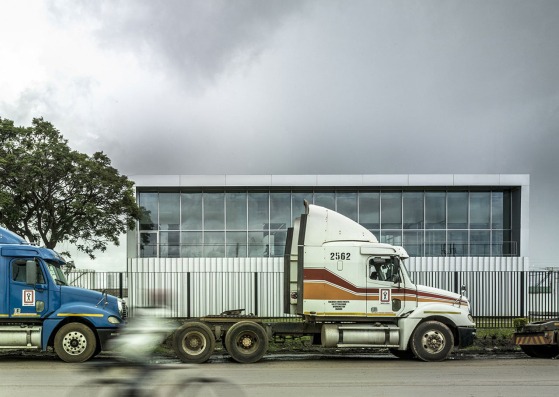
column 252, row 223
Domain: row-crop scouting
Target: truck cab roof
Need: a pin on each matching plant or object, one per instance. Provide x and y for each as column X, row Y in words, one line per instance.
column 9, row 237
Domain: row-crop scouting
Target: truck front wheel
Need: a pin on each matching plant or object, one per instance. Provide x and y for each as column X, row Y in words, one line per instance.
column 194, row 343
column 75, row 343
column 246, row 341
column 432, row 341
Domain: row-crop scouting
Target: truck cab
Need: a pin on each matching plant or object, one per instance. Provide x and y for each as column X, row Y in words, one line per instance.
column 39, row 310
column 340, row 276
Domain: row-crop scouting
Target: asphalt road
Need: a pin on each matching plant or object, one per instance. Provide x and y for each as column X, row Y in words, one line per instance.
column 309, row 375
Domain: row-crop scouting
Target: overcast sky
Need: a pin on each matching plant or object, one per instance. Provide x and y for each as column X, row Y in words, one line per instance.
column 296, row 87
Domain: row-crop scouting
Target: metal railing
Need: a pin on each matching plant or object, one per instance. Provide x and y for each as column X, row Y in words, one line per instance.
column 496, row 297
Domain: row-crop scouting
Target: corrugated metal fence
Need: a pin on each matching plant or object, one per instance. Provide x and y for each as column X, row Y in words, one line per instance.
column 496, row 297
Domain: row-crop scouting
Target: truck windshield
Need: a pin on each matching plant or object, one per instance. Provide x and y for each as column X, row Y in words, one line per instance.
column 56, row 273
column 405, row 269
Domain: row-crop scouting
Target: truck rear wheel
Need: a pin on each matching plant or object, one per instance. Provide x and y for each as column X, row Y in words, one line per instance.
column 246, row 341
column 541, row 351
column 432, row 341
column 194, row 342
column 75, row 343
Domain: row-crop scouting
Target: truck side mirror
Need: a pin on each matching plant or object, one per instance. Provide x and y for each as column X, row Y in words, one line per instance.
column 31, row 272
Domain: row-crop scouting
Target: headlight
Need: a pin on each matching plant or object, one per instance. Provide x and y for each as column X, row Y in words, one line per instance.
column 471, row 318
column 114, row 320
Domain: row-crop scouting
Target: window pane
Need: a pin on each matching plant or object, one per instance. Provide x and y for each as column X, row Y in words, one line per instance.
column 413, row 243
column 236, row 244
column 500, row 202
column 502, row 245
column 347, row 204
column 150, row 214
column 393, row 237
column 325, row 199
column 435, row 243
column 258, row 211
column 391, row 210
column 214, row 211
column 191, row 244
column 413, row 210
column 435, row 210
column 148, row 245
column 297, row 202
column 191, row 211
column 277, row 243
column 169, row 211
column 236, row 211
column 480, row 210
column 280, row 211
column 457, row 243
column 258, row 244
column 369, row 210
column 169, row 244
column 457, row 210
column 480, row 244
column 214, row 244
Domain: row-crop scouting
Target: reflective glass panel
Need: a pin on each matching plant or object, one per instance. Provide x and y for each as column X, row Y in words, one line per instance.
column 501, row 210
column 150, row 214
column 369, row 210
column 457, row 210
column 148, row 245
column 480, row 210
column 393, row 237
column 457, row 244
column 280, row 211
column 413, row 242
column 435, row 243
column 435, row 210
column 258, row 204
column 214, row 211
column 191, row 244
column 214, row 244
column 412, row 210
column 325, row 199
column 480, row 243
column 346, row 204
column 501, row 244
column 277, row 243
column 236, row 244
column 169, row 244
column 236, row 208
column 169, row 211
column 191, row 211
column 391, row 210
column 258, row 244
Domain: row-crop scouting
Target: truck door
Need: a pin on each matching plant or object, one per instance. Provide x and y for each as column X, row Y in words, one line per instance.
column 385, row 287
column 27, row 301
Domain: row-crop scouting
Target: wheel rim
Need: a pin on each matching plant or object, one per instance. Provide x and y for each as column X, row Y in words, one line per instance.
column 247, row 342
column 194, row 343
column 433, row 341
column 74, row 343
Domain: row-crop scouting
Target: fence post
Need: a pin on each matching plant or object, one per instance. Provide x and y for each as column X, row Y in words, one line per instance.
column 256, row 294
column 120, row 287
column 522, row 293
column 188, row 300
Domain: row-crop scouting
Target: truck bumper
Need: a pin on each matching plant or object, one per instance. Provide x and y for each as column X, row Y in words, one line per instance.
column 466, row 336
column 105, row 335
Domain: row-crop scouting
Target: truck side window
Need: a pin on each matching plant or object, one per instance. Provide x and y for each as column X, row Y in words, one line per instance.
column 381, row 269
column 18, row 272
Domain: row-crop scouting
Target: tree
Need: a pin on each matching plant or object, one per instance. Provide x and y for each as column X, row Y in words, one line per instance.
column 51, row 192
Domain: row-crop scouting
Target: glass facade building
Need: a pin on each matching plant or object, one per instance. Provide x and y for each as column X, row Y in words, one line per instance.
column 252, row 221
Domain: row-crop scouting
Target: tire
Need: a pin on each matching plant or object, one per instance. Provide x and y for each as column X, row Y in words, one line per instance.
column 432, row 341
column 402, row 354
column 246, row 341
column 194, row 343
column 75, row 343
column 541, row 351
column 207, row 387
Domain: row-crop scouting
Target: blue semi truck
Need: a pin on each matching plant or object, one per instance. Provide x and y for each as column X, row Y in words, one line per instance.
column 39, row 310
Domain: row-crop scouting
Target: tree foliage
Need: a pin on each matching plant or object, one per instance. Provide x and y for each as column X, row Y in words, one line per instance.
column 50, row 191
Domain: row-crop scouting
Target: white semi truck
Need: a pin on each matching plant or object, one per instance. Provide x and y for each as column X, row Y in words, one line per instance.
column 344, row 289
